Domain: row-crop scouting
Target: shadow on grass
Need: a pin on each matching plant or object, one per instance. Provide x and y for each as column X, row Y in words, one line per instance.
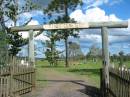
column 85, row 71
column 62, row 80
column 48, row 66
column 88, row 90
column 91, row 91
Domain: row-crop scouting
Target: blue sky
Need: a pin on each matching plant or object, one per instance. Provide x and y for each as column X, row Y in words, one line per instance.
column 121, row 9
column 107, row 10
column 92, row 10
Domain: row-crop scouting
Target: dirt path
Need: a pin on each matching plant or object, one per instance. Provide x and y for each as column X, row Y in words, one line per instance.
column 61, row 85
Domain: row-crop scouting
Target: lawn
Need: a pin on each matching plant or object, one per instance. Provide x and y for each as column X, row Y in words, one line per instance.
column 126, row 63
column 89, row 70
column 40, row 75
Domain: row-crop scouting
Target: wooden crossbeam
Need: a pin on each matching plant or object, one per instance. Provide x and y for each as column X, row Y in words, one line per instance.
column 94, row 25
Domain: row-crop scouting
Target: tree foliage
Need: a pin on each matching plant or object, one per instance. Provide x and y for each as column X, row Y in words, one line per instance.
column 61, row 8
column 121, row 58
column 94, row 52
column 52, row 57
column 3, row 33
column 14, row 39
column 75, row 51
column 15, row 43
column 51, row 53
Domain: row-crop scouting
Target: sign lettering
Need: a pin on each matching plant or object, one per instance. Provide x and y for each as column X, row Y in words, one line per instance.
column 65, row 26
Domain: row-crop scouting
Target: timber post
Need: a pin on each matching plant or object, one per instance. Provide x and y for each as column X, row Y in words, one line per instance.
column 105, row 55
column 32, row 55
column 31, row 48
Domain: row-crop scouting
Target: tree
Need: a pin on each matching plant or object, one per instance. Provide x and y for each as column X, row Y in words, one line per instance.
column 121, row 57
column 16, row 42
column 74, row 50
column 75, row 53
column 51, row 52
column 48, row 56
column 94, row 52
column 63, row 6
column 14, row 10
column 9, row 10
column 115, row 57
column 3, row 34
column 52, row 57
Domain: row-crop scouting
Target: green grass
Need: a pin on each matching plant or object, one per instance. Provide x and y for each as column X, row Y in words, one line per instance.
column 89, row 70
column 40, row 76
column 126, row 63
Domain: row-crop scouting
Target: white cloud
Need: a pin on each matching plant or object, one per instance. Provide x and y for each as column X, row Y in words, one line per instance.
column 25, row 17
column 98, row 15
column 97, row 3
column 42, row 37
column 25, row 33
column 93, row 15
column 10, row 23
column 112, row 17
column 91, row 38
column 33, row 22
column 115, row 2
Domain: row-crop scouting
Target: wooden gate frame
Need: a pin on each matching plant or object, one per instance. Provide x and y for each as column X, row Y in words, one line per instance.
column 90, row 25
column 16, row 79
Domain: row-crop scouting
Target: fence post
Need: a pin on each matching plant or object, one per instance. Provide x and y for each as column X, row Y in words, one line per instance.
column 32, row 55
column 11, row 81
column 31, row 48
column 105, row 55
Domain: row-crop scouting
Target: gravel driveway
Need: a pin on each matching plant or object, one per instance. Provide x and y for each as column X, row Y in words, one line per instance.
column 59, row 85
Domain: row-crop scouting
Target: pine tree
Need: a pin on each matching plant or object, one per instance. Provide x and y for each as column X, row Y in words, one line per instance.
column 15, row 40
column 51, row 52
column 3, row 34
column 63, row 7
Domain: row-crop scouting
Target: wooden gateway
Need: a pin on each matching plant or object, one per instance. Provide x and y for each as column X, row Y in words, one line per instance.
column 104, row 26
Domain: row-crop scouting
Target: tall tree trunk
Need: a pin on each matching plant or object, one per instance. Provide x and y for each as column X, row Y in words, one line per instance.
column 3, row 44
column 66, row 35
column 66, row 50
column 52, row 53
